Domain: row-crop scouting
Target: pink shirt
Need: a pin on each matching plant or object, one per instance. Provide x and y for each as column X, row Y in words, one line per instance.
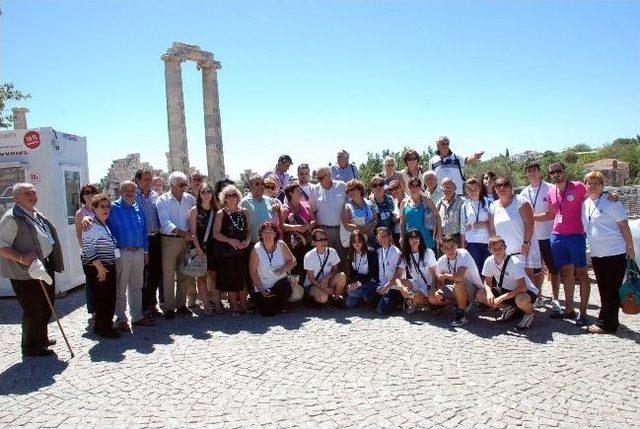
column 568, row 208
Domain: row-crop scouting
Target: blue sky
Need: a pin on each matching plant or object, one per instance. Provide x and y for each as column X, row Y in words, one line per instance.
column 311, row 77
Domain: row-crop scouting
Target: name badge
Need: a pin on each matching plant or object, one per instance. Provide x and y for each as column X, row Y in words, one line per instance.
column 51, row 240
column 116, row 253
column 559, row 218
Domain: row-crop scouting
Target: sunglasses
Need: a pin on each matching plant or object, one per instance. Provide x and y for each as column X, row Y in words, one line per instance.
column 197, row 179
column 414, row 185
column 181, row 185
column 228, row 197
column 412, row 159
column 103, row 206
column 270, row 187
column 501, row 185
column 377, row 185
column 554, row 172
column 321, row 239
column 206, row 191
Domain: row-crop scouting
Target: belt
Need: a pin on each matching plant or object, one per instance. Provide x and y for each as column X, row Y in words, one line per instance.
column 328, row 227
column 169, row 235
column 152, row 234
column 132, row 249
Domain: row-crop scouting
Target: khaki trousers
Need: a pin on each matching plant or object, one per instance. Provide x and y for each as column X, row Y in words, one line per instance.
column 129, row 281
column 174, row 283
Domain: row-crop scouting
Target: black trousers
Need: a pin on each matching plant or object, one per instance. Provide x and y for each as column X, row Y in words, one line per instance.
column 35, row 311
column 153, row 275
column 273, row 305
column 104, row 297
column 609, row 271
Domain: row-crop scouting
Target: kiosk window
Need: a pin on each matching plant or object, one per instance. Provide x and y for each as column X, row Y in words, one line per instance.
column 8, row 177
column 72, row 191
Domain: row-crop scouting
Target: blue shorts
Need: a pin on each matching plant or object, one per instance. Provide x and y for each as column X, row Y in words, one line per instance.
column 570, row 249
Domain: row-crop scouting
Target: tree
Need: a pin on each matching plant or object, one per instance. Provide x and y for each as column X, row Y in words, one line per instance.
column 8, row 92
column 375, row 162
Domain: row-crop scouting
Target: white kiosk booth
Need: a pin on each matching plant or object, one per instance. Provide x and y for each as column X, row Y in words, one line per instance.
column 56, row 163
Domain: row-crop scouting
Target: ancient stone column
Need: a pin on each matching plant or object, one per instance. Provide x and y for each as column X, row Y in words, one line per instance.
column 212, row 122
column 178, row 150
column 20, row 118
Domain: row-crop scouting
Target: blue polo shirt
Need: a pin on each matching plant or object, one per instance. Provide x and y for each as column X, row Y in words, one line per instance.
column 128, row 225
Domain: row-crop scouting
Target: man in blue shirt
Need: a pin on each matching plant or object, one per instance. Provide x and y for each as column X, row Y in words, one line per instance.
column 129, row 226
column 344, row 170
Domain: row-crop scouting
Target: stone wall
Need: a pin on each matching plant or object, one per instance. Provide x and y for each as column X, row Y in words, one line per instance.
column 125, row 169
column 630, row 196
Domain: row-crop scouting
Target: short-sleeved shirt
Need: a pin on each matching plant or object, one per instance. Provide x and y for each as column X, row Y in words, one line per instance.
column 509, row 223
column 9, row 231
column 389, row 260
column 538, row 197
column 473, row 212
column 268, row 263
column 513, row 272
column 260, row 210
column 313, row 262
column 420, row 269
column 601, row 219
column 328, row 203
column 463, row 259
column 449, row 166
column 450, row 214
column 350, row 171
column 568, row 208
column 384, row 210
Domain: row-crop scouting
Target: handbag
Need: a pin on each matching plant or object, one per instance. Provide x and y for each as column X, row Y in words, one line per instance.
column 194, row 265
column 297, row 291
column 629, row 292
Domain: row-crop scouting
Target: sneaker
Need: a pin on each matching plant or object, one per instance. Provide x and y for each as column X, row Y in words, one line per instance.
column 539, row 302
column 555, row 306
column 563, row 315
column 581, row 320
column 338, row 301
column 507, row 313
column 526, row 321
column 461, row 318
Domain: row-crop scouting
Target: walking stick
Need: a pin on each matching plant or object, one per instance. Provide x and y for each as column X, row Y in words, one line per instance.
column 55, row 316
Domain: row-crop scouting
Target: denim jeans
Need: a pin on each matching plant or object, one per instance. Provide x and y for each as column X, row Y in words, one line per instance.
column 389, row 302
column 366, row 293
column 479, row 252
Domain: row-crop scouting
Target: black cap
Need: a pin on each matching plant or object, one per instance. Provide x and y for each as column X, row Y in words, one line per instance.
column 285, row 158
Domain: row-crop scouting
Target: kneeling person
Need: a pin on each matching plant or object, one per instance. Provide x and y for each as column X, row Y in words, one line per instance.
column 421, row 264
column 458, row 271
column 390, row 268
column 269, row 263
column 514, row 288
column 362, row 278
column 321, row 263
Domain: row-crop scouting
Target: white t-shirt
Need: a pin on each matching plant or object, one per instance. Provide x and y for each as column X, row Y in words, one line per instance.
column 447, row 167
column 425, row 264
column 328, row 203
column 471, row 213
column 463, row 259
column 537, row 197
column 268, row 263
column 360, row 263
column 509, row 223
column 389, row 260
column 313, row 262
column 513, row 272
column 600, row 218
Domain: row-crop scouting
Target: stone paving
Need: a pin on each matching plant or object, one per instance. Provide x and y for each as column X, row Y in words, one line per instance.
column 323, row 368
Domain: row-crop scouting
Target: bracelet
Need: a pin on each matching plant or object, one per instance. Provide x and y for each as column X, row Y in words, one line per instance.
column 20, row 260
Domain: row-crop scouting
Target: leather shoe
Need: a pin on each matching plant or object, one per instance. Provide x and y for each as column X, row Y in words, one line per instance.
column 169, row 314
column 110, row 334
column 37, row 352
column 185, row 311
column 144, row 322
column 124, row 327
column 50, row 343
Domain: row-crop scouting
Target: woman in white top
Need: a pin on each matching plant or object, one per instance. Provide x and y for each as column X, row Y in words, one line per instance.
column 475, row 220
column 421, row 264
column 269, row 263
column 513, row 221
column 611, row 243
column 323, row 278
column 514, row 289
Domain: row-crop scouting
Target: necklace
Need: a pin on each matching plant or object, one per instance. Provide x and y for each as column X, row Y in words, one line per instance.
column 238, row 225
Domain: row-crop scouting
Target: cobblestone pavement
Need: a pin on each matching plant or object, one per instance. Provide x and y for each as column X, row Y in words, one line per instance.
column 323, row 368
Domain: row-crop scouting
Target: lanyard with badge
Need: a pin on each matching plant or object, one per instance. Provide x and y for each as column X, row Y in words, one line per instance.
column 452, row 268
column 418, row 269
column 561, row 203
column 385, row 259
column 592, row 211
column 359, row 260
column 535, row 200
column 322, row 264
column 116, row 251
column 42, row 227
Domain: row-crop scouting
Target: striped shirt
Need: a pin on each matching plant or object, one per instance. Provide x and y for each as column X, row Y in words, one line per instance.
column 148, row 205
column 98, row 243
column 128, row 225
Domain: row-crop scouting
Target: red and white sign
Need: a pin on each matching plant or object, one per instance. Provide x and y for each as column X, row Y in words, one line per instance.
column 34, row 178
column 32, row 139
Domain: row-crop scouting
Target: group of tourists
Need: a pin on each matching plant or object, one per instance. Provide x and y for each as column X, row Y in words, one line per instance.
column 424, row 237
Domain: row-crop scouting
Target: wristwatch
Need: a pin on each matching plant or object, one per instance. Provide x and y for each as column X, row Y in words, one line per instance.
column 526, row 242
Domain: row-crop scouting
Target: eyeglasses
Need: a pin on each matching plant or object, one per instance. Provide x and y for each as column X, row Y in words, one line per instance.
column 181, row 185
column 269, row 187
column 444, row 143
column 554, row 172
column 323, row 177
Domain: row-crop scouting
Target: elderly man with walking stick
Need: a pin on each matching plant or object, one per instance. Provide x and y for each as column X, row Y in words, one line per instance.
column 30, row 253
